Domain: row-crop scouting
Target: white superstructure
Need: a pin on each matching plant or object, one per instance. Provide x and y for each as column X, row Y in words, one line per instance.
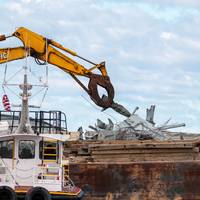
column 32, row 163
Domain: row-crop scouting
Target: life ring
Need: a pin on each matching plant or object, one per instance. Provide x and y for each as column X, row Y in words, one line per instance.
column 6, row 103
column 38, row 193
column 7, row 193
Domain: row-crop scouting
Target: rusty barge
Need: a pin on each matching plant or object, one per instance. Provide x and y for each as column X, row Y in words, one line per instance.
column 136, row 160
column 133, row 170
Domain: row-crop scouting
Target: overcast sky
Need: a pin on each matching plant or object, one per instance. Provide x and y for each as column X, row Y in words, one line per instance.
column 151, row 49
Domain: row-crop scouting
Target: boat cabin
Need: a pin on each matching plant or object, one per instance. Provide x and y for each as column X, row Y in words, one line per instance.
column 33, row 165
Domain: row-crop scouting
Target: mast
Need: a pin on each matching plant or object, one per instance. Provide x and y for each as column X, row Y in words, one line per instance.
column 25, row 125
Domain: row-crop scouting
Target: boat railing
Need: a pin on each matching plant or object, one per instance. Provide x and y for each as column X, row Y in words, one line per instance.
column 53, row 122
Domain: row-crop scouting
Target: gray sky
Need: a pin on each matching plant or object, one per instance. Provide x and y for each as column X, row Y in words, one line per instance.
column 151, row 49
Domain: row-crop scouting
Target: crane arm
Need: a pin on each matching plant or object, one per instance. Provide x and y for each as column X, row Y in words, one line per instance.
column 46, row 50
column 10, row 54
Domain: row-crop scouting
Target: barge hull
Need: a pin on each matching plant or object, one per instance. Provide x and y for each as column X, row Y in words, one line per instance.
column 127, row 170
column 138, row 181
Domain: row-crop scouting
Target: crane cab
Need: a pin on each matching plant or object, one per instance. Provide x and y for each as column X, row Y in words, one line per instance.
column 34, row 166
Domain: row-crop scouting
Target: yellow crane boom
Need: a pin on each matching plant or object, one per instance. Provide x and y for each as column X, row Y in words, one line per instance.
column 46, row 50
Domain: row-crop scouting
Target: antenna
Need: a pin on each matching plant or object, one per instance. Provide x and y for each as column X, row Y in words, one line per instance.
column 25, row 94
column 25, row 125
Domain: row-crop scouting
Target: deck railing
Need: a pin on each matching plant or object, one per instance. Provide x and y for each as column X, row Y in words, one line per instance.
column 41, row 121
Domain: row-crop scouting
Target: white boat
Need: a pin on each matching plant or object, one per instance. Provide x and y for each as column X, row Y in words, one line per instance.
column 32, row 164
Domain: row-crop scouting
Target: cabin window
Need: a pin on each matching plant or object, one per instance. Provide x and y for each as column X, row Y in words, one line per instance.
column 26, row 149
column 6, row 149
column 49, row 150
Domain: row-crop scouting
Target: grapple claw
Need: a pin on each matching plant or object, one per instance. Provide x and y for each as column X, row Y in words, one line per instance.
column 103, row 81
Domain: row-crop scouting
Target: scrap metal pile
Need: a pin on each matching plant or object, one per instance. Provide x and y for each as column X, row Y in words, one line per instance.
column 132, row 128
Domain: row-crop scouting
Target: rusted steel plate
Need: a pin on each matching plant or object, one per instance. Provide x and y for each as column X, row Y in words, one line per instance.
column 138, row 181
